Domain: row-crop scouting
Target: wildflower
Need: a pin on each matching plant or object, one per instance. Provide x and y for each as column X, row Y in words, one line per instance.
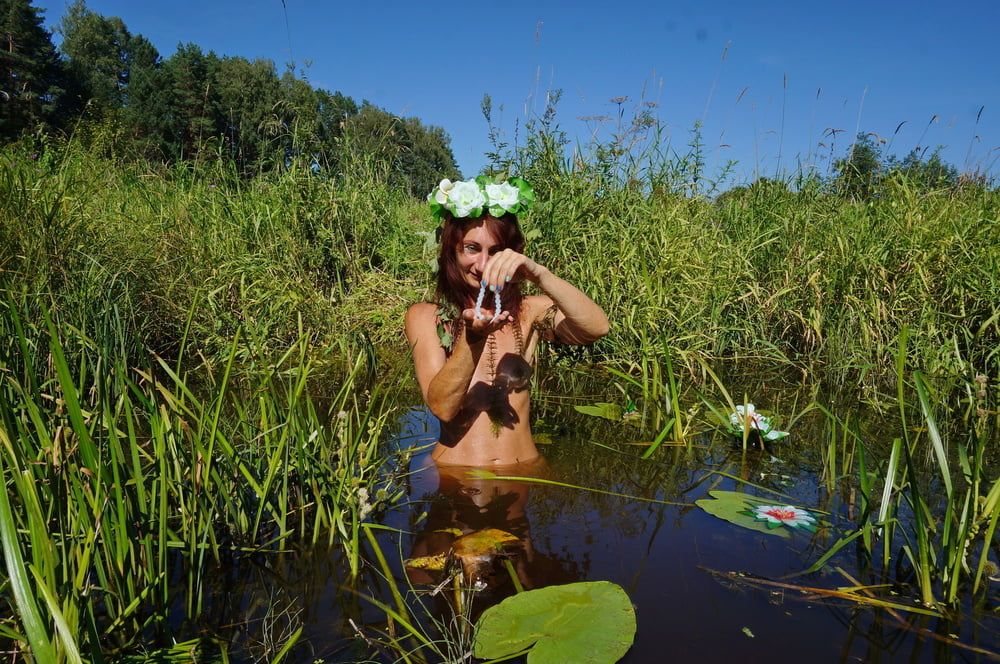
column 364, row 507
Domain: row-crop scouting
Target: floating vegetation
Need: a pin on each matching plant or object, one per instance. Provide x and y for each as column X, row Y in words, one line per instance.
column 579, row 622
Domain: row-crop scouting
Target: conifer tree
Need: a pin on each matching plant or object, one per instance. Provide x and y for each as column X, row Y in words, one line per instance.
column 32, row 77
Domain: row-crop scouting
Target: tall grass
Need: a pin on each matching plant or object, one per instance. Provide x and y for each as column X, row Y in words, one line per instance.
column 117, row 477
column 931, row 523
column 783, row 271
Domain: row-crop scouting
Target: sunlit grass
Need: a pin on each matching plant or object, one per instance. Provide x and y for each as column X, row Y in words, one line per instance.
column 115, row 474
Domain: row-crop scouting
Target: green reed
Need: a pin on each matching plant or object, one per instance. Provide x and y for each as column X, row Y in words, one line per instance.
column 939, row 521
column 788, row 272
column 114, row 474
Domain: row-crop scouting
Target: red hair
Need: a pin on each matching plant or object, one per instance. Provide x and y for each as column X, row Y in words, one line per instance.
column 451, row 284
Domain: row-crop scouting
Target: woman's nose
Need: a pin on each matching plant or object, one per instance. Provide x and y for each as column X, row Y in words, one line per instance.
column 481, row 262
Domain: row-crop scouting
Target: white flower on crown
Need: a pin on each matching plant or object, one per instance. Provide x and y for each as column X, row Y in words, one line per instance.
column 465, row 197
column 504, row 195
column 441, row 193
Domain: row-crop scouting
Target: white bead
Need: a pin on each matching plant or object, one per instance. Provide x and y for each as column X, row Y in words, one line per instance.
column 479, row 301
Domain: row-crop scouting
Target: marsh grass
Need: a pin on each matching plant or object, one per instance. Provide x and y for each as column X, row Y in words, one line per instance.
column 930, row 518
column 118, row 476
column 784, row 272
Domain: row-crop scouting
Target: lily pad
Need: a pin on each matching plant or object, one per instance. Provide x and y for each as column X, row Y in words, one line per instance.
column 578, row 622
column 732, row 506
column 477, row 551
column 609, row 411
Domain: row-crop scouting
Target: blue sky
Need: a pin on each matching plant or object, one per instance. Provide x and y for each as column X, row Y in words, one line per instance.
column 766, row 78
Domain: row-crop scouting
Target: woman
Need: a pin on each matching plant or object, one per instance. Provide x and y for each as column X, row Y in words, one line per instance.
column 473, row 365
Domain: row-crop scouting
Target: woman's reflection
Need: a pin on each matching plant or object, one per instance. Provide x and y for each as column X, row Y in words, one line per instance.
column 475, row 523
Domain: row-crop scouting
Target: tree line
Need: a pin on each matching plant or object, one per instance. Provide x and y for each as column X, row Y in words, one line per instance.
column 113, row 88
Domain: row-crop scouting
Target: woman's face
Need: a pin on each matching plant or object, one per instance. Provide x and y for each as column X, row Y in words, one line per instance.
column 474, row 251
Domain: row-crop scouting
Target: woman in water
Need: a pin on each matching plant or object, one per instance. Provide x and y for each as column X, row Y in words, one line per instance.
column 474, row 349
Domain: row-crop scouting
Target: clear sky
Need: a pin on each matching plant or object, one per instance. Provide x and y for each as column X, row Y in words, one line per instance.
column 766, row 78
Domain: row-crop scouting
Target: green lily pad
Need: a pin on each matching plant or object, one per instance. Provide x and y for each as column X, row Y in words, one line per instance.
column 578, row 622
column 609, row 411
column 731, row 505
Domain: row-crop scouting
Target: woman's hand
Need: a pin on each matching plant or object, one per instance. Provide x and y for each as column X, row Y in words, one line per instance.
column 508, row 265
column 477, row 330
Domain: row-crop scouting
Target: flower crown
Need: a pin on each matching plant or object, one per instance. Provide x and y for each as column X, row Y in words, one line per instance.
column 471, row 198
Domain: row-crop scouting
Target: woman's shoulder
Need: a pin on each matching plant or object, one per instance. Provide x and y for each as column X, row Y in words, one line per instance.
column 422, row 310
column 535, row 307
column 420, row 317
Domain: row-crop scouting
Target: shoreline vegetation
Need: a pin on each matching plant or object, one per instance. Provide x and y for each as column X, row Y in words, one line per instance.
column 194, row 336
column 191, row 360
column 796, row 273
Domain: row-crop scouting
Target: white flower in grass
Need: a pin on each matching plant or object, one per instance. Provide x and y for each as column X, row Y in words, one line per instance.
column 441, row 193
column 464, row 197
column 784, row 515
column 749, row 415
column 502, row 195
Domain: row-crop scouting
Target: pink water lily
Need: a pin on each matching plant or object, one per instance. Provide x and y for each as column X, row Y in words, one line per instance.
column 784, row 515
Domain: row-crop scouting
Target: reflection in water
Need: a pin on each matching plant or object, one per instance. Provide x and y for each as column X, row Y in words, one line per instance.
column 462, row 505
column 658, row 553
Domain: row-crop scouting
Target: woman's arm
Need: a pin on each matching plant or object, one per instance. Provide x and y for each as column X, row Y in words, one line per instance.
column 444, row 379
column 579, row 319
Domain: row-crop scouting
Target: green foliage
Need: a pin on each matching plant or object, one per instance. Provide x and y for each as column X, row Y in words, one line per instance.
column 33, row 80
column 578, row 622
column 194, row 106
column 118, row 475
column 101, row 51
column 861, row 170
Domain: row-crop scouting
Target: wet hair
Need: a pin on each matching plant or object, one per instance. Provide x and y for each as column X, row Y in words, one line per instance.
column 451, row 284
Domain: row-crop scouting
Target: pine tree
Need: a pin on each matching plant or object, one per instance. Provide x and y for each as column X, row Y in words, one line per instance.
column 33, row 79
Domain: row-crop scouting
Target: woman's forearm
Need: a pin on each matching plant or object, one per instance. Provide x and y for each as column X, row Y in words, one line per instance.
column 585, row 319
column 447, row 390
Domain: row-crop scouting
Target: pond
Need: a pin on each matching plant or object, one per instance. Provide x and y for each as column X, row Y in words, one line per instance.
column 703, row 589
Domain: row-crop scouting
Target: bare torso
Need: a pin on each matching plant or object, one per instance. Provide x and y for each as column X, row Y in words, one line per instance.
column 493, row 428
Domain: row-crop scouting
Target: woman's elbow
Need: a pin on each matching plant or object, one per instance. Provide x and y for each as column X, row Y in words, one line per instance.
column 443, row 411
column 602, row 328
column 598, row 328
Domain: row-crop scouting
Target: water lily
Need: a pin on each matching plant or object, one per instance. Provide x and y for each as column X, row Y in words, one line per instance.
column 784, row 515
column 748, row 414
column 747, row 417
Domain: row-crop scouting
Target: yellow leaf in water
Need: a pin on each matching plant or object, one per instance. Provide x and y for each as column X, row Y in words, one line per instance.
column 451, row 531
column 432, row 563
column 484, row 542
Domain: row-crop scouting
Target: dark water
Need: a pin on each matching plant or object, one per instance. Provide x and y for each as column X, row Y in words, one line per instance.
column 672, row 560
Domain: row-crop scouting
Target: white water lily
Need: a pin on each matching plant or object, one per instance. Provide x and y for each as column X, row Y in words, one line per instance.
column 465, row 197
column 503, row 195
column 748, row 415
column 784, row 515
column 441, row 193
